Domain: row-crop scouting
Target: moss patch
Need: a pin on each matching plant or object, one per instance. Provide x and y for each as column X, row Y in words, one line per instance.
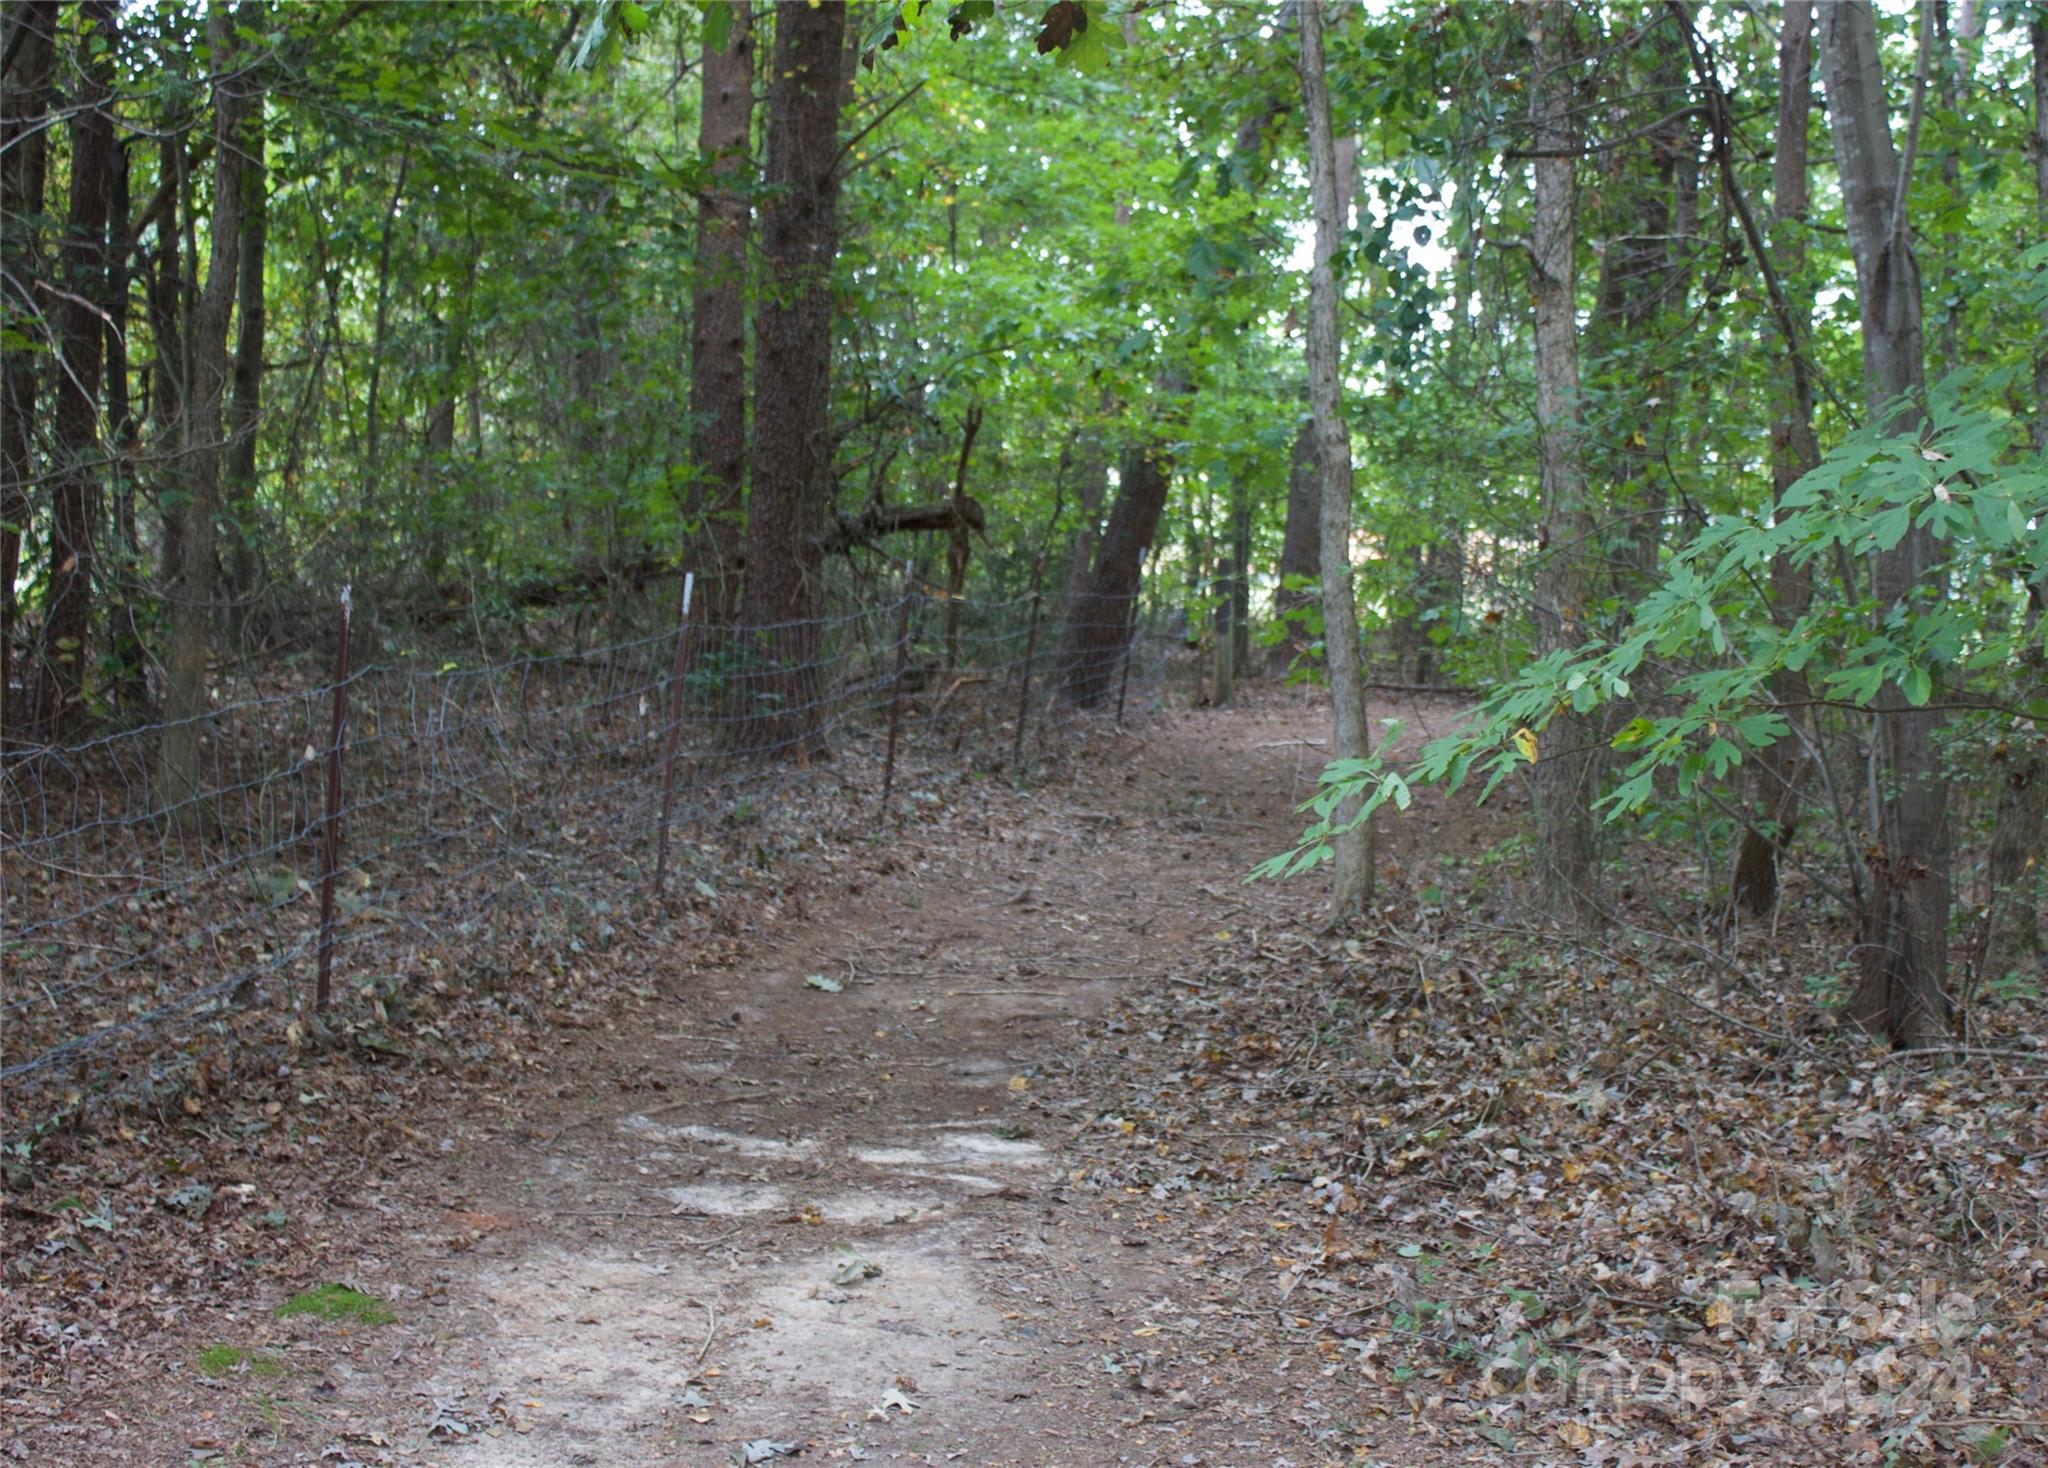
column 226, row 1360
column 339, row 1302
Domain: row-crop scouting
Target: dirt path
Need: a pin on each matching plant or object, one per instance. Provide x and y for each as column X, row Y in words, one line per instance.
column 834, row 1216
column 825, row 1199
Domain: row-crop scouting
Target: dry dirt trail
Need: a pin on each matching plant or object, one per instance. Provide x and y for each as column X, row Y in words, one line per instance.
column 824, row 1206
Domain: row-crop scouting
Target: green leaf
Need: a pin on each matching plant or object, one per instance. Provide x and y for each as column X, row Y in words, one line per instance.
column 1634, row 732
column 717, row 24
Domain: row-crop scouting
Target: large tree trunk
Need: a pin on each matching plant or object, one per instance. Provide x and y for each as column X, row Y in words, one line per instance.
column 1904, row 951
column 718, row 313
column 1567, row 762
column 1241, row 580
column 1099, row 616
column 792, row 493
column 245, row 408
column 959, row 536
column 1650, row 188
column 437, row 457
column 1443, row 593
column 1301, row 557
column 124, row 582
column 1780, row 772
column 166, row 293
column 1092, row 475
column 30, row 32
column 1233, row 611
column 1300, row 549
column 76, row 489
column 191, row 592
column 114, row 305
column 1352, row 882
column 1223, row 631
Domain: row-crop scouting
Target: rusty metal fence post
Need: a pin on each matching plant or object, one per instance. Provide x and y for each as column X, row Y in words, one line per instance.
column 675, row 732
column 1123, row 686
column 896, row 687
column 330, row 833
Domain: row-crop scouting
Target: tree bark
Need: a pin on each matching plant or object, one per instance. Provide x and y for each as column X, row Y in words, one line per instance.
column 718, row 319
column 77, row 487
column 1780, row 771
column 245, row 408
column 1099, row 618
column 1352, row 881
column 1241, row 577
column 114, row 305
column 1223, row 638
column 122, row 584
column 1093, row 475
column 959, row 538
column 1902, row 992
column 165, row 296
column 1233, row 587
column 32, row 30
column 1566, row 764
column 1642, row 278
column 792, row 492
column 1443, row 592
column 191, row 593
column 1300, row 550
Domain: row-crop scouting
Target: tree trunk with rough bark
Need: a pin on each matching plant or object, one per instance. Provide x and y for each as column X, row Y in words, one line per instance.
column 1779, row 773
column 1643, row 268
column 121, row 572
column 245, row 408
column 1352, row 878
column 1092, row 477
column 1300, row 552
column 718, row 311
column 165, row 293
column 1567, row 761
column 191, row 594
column 1100, row 616
column 32, row 30
column 1902, row 993
column 1443, row 594
column 1241, row 579
column 78, row 487
column 959, row 537
column 792, row 492
column 1223, row 638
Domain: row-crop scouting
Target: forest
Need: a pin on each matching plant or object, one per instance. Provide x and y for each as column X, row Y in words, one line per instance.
column 1319, row 727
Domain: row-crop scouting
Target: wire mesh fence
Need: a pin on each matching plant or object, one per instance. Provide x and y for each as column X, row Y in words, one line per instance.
column 399, row 821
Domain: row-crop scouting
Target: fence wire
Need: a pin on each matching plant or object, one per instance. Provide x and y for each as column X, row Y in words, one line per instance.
column 152, row 919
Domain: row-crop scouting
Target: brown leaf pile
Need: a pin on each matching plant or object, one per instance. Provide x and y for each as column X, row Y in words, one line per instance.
column 1566, row 1201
